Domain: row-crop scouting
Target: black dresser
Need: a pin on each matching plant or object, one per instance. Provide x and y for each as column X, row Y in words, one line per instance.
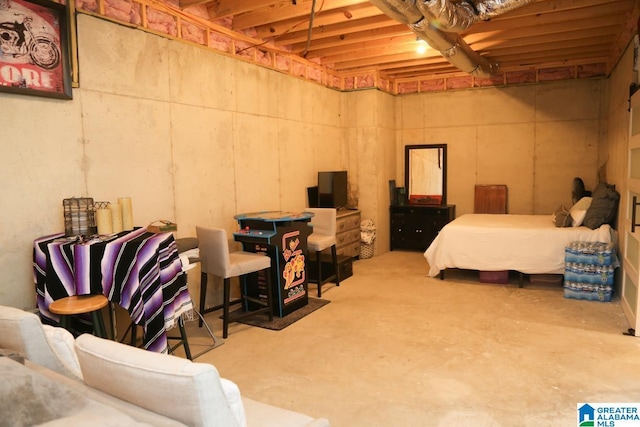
column 414, row 227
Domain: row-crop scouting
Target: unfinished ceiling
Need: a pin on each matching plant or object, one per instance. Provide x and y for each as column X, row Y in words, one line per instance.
column 352, row 35
column 353, row 44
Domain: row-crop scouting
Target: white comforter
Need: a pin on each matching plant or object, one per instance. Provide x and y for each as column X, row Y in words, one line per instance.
column 530, row 244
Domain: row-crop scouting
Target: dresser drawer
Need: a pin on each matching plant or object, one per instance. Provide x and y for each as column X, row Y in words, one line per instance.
column 348, row 237
column 348, row 233
column 348, row 222
column 351, row 250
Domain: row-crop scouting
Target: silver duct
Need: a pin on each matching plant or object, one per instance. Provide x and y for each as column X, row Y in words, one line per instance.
column 403, row 11
column 487, row 9
column 455, row 50
column 457, row 17
column 438, row 21
column 448, row 16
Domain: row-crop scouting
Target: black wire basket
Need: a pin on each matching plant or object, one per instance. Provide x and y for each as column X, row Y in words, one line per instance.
column 79, row 216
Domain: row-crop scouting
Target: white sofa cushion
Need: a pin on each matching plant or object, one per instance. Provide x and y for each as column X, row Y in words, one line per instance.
column 135, row 412
column 177, row 388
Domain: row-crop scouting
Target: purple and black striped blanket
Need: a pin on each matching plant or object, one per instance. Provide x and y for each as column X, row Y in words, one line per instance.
column 137, row 270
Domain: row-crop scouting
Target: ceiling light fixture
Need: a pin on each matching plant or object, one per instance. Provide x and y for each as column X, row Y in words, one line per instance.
column 421, row 48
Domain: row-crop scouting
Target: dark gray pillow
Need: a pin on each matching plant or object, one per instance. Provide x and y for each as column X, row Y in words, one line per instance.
column 562, row 217
column 603, row 208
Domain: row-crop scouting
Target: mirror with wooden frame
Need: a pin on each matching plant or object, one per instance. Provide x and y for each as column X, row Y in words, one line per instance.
column 425, row 174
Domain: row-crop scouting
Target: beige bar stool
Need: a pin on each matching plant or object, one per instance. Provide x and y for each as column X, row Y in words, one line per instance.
column 216, row 259
column 81, row 304
column 323, row 237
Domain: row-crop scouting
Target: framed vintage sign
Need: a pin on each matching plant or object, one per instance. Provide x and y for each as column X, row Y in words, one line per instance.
column 34, row 48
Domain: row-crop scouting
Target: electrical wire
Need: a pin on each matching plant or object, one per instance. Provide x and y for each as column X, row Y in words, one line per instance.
column 291, row 28
column 310, row 30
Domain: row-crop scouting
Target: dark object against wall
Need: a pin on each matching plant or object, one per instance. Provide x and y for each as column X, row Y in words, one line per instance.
column 490, row 199
column 332, row 189
column 392, row 192
column 312, row 196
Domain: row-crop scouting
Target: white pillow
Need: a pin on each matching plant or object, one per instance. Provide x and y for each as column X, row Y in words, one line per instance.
column 579, row 210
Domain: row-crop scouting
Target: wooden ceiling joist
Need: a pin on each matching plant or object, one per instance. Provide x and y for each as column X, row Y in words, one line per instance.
column 352, row 39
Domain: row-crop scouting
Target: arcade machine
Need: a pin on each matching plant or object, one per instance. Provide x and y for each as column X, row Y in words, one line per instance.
column 283, row 237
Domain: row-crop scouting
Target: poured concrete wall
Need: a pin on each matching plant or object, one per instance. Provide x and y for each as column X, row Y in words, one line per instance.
column 371, row 130
column 196, row 137
column 190, row 135
column 535, row 139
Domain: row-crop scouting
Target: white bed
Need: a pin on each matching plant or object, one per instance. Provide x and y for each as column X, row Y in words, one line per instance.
column 529, row 244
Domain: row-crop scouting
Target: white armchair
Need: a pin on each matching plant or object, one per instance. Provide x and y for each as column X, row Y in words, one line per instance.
column 45, row 345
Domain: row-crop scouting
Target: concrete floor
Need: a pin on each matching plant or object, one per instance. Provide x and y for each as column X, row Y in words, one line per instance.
column 398, row 348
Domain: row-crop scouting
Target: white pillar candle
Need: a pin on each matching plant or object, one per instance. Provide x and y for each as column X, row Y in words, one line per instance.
column 116, row 217
column 103, row 221
column 127, row 213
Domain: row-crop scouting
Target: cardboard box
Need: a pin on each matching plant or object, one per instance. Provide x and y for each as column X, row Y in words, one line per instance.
column 501, row 277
